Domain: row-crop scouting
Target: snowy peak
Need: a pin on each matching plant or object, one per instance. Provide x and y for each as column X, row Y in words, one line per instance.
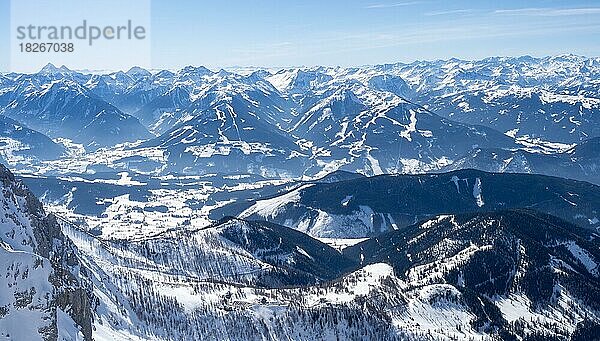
column 194, row 73
column 348, row 101
column 50, row 69
column 165, row 111
column 298, row 80
column 137, row 73
column 391, row 83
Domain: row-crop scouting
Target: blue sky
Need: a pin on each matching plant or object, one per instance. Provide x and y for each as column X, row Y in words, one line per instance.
column 327, row 32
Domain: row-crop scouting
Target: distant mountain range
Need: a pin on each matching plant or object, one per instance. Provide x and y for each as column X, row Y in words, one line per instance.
column 579, row 162
column 396, row 118
column 62, row 108
column 553, row 98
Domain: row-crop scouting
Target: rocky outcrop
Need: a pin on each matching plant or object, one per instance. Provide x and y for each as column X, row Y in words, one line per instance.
column 45, row 272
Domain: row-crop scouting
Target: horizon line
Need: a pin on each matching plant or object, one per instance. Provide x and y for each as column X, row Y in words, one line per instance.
column 214, row 69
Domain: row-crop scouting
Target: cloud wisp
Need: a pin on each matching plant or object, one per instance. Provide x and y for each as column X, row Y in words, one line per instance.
column 449, row 12
column 396, row 4
column 549, row 12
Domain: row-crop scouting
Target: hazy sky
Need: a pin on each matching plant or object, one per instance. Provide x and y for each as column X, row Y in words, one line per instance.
column 326, row 32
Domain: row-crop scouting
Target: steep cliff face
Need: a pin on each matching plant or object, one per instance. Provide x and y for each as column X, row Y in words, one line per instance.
column 42, row 280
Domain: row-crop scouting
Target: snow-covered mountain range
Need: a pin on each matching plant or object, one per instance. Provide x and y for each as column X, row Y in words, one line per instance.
column 434, row 200
column 397, row 118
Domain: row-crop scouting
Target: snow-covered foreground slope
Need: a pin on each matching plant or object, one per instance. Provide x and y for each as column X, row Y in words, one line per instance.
column 233, row 281
column 480, row 276
column 364, row 207
column 432, row 286
column 42, row 293
column 519, row 272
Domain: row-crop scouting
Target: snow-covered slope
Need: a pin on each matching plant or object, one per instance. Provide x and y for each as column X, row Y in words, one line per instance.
column 364, row 207
column 478, row 276
column 581, row 162
column 65, row 109
column 42, row 294
column 356, row 128
column 232, row 127
column 424, row 282
column 20, row 145
column 164, row 112
column 239, row 279
column 518, row 273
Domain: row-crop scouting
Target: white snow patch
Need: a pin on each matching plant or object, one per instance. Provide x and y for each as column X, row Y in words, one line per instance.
column 477, row 192
column 346, row 200
column 270, row 208
column 584, row 257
